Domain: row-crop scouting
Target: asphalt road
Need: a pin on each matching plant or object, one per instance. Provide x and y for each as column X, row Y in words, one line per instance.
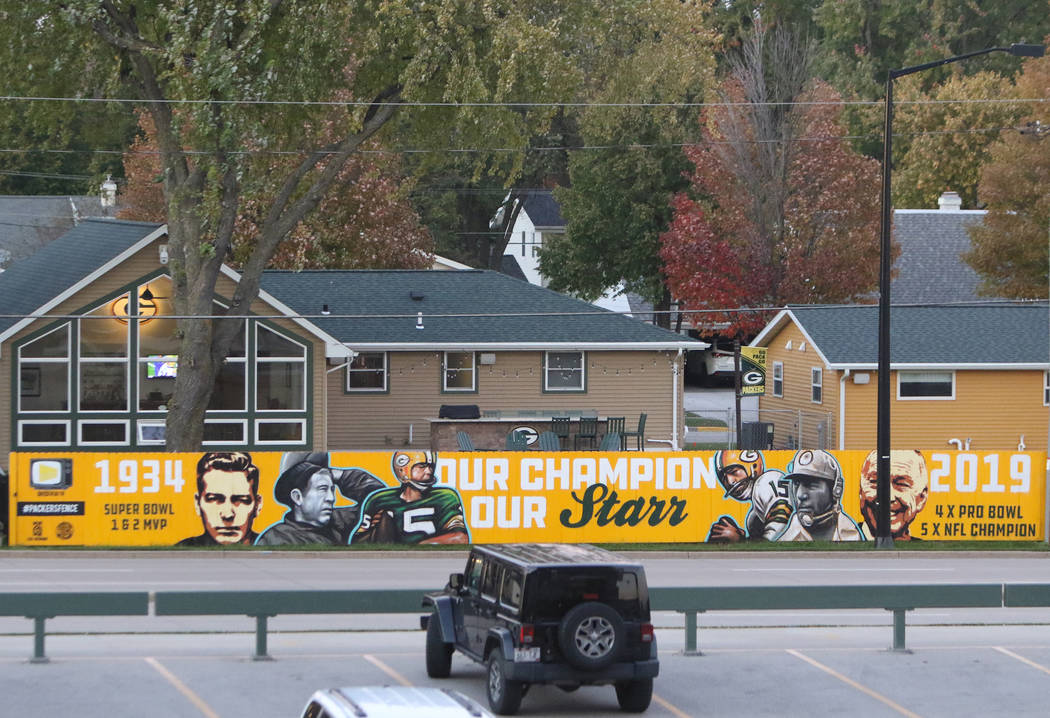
column 962, row 663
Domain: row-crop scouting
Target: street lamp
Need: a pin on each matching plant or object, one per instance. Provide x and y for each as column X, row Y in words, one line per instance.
column 883, row 538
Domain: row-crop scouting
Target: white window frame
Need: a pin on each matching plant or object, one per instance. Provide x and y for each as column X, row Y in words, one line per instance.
column 282, row 442
column 64, row 422
column 473, row 374
column 350, row 371
column 581, row 372
column 901, row 373
column 1046, row 388
column 83, row 362
column 94, row 422
column 68, row 361
column 244, row 432
column 280, row 360
column 778, row 378
column 816, row 385
column 152, row 423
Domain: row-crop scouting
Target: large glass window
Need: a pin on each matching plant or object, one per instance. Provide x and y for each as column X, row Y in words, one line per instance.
column 563, row 371
column 43, row 372
column 925, row 385
column 816, row 385
column 367, row 372
column 103, row 360
column 460, row 372
column 280, row 372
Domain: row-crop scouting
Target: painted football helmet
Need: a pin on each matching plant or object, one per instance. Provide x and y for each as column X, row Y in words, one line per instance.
column 402, row 463
column 749, row 460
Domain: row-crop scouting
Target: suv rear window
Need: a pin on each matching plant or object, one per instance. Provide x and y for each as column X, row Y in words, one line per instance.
column 562, row 588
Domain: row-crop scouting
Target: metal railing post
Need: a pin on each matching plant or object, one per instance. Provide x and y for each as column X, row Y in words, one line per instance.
column 691, row 648
column 260, row 639
column 38, row 640
column 898, row 629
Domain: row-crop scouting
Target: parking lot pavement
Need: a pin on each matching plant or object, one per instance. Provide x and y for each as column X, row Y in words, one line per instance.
column 819, row 671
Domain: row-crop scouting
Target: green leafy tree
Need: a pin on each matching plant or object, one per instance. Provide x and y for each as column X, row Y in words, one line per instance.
column 192, row 64
column 940, row 144
column 621, row 182
column 1010, row 248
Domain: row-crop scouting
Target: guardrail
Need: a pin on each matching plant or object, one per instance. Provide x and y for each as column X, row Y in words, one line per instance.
column 896, row 598
column 42, row 606
column 690, row 601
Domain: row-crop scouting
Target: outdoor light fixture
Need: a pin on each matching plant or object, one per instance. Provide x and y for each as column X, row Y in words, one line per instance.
column 884, row 538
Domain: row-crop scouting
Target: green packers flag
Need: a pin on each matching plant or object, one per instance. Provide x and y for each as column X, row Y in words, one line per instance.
column 752, row 371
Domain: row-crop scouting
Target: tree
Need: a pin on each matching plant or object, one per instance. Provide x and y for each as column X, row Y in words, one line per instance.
column 782, row 209
column 621, row 183
column 199, row 68
column 365, row 222
column 1010, row 248
column 940, row 144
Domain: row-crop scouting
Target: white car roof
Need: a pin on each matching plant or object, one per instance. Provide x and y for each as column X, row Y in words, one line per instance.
column 393, row 702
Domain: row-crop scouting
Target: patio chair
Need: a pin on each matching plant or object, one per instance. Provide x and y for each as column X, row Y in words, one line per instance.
column 560, row 426
column 638, row 435
column 464, row 441
column 617, row 425
column 517, row 441
column 588, row 432
column 610, row 442
column 549, row 441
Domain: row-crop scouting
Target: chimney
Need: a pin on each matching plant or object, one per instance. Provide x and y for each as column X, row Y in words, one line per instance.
column 949, row 202
column 108, row 192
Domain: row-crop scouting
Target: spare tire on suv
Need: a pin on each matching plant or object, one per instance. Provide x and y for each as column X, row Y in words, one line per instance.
column 591, row 636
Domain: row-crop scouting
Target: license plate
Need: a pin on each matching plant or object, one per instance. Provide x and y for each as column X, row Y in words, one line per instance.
column 526, row 655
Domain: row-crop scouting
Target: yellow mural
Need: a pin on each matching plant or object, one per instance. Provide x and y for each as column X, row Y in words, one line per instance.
column 374, row 498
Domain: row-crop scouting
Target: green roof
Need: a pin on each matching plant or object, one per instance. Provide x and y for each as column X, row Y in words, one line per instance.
column 458, row 307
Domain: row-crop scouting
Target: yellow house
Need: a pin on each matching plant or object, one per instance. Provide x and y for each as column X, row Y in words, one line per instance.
column 962, row 376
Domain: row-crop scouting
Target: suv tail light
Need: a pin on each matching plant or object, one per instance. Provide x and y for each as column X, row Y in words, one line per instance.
column 646, row 633
column 527, row 633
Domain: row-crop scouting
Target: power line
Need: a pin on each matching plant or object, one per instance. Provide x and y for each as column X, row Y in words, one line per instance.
column 406, row 103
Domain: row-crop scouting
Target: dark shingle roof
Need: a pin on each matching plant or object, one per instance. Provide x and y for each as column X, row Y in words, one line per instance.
column 930, row 267
column 29, row 222
column 509, row 266
column 542, row 209
column 32, row 281
column 520, row 312
column 975, row 334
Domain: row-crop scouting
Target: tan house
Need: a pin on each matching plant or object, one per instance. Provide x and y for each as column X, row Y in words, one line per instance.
column 963, row 376
column 328, row 359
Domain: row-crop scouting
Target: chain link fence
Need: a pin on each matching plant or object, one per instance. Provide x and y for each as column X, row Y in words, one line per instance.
column 761, row 429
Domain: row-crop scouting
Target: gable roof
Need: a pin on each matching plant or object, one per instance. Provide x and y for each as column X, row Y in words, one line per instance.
column 930, row 267
column 61, row 267
column 962, row 336
column 374, row 309
column 542, row 209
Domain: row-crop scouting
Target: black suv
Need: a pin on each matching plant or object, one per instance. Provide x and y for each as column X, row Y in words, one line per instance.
column 565, row 614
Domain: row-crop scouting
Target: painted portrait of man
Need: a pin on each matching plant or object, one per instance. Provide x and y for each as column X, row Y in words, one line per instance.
column 909, row 490
column 227, row 499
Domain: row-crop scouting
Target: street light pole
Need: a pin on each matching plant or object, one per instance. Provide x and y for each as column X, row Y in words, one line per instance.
column 883, row 537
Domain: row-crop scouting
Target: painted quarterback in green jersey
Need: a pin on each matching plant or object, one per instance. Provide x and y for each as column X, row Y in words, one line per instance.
column 415, row 512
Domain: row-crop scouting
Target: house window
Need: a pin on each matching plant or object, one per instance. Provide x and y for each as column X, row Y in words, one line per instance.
column 41, row 433
column 280, row 431
column 925, row 385
column 367, row 372
column 460, row 372
column 280, row 372
column 563, row 371
column 43, row 372
column 778, row 378
column 102, row 433
column 816, row 384
column 1046, row 388
column 103, row 360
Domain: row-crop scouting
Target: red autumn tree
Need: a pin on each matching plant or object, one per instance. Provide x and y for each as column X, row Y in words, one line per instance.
column 782, row 210
column 366, row 222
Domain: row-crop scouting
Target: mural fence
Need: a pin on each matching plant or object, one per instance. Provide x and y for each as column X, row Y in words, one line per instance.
column 415, row 497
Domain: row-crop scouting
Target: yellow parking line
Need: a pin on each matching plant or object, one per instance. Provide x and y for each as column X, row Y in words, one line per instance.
column 386, row 669
column 182, row 688
column 863, row 689
column 673, row 710
column 1022, row 659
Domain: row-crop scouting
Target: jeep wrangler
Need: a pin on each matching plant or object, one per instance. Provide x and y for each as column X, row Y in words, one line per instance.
column 562, row 614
